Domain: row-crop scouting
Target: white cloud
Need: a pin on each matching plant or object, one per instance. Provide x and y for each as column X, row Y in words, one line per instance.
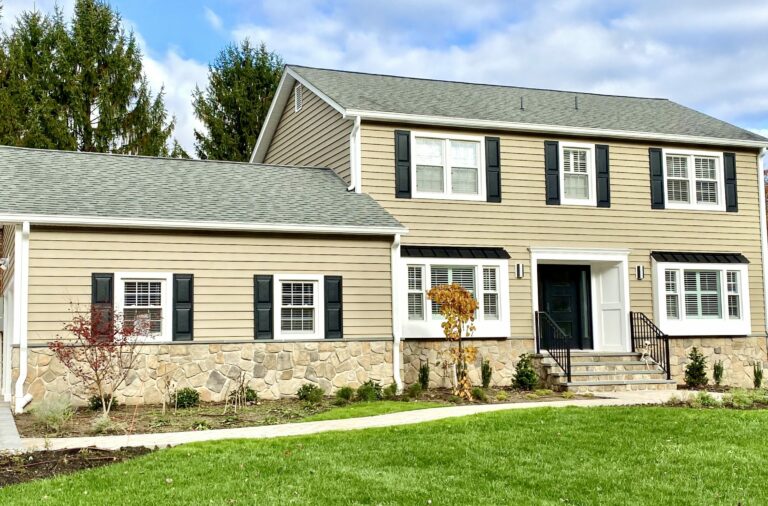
column 213, row 19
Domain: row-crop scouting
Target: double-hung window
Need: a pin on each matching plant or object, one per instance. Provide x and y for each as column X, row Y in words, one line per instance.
column 694, row 180
column 448, row 167
column 577, row 174
column 486, row 280
column 702, row 299
column 143, row 299
column 299, row 314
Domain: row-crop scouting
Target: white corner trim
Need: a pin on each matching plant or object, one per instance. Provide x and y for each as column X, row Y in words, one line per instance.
column 284, row 88
column 397, row 327
column 199, row 225
column 355, row 157
column 763, row 231
column 166, row 297
column 552, row 129
column 21, row 279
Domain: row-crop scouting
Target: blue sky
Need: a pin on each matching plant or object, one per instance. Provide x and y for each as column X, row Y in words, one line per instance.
column 707, row 54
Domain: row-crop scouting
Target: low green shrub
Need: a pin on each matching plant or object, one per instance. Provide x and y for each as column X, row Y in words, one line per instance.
column 345, row 394
column 739, row 398
column 455, row 399
column 525, row 375
column 424, row 375
column 543, row 392
column 531, row 396
column 201, row 425
column 102, row 424
column 94, row 402
column 758, row 375
column 187, row 398
column 486, row 373
column 696, row 370
column 704, row 400
column 568, row 394
column 245, row 394
column 717, row 372
column 414, row 391
column 479, row 394
column 390, row 393
column 52, row 414
column 311, row 393
column 502, row 396
column 370, row 391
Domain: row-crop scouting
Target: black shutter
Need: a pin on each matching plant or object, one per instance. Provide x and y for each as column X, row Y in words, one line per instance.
column 493, row 169
column 183, row 307
column 262, row 307
column 402, row 164
column 603, row 178
column 334, row 317
column 731, row 195
column 102, row 302
column 657, row 178
column 552, row 172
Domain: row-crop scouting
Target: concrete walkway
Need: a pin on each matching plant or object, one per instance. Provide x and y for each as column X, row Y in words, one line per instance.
column 9, row 436
column 298, row 429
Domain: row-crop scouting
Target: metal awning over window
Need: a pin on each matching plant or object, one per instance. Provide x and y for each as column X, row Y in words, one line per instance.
column 453, row 252
column 699, row 258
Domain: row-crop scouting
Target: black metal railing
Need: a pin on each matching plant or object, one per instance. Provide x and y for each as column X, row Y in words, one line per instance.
column 646, row 336
column 553, row 339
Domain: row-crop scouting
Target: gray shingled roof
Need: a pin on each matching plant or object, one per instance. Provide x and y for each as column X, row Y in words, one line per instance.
column 65, row 183
column 405, row 95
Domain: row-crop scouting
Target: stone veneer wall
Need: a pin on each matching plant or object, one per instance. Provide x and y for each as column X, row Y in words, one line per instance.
column 739, row 356
column 502, row 354
column 273, row 369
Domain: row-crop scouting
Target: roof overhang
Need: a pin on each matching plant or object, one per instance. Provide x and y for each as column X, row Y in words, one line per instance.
column 688, row 257
column 447, row 121
column 98, row 221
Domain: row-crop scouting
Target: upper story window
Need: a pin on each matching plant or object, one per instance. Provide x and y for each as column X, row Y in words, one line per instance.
column 577, row 174
column 694, row 180
column 448, row 167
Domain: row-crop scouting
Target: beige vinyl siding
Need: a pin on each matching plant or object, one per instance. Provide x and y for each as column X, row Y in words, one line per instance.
column 8, row 251
column 522, row 220
column 316, row 136
column 61, row 263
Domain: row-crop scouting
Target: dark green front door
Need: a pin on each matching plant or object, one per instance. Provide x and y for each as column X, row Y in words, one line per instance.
column 564, row 294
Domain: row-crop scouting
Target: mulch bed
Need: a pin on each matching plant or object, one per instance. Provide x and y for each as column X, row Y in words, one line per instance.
column 23, row 467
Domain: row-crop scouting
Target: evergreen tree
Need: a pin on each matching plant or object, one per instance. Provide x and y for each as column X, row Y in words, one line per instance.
column 241, row 83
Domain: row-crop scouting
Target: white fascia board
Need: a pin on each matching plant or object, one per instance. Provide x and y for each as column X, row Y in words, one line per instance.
column 325, row 98
column 284, row 88
column 96, row 221
column 551, row 129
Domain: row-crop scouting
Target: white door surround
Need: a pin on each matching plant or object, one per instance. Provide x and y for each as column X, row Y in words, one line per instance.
column 609, row 290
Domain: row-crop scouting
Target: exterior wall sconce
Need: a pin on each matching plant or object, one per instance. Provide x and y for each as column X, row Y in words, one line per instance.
column 4, row 264
column 640, row 272
column 520, row 271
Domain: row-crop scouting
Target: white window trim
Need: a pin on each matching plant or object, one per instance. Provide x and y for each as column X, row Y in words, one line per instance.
column 684, row 326
column 430, row 326
column 447, row 194
column 319, row 332
column 591, row 184
column 167, row 283
column 693, row 205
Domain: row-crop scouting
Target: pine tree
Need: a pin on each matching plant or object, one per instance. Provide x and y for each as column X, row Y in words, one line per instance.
column 241, row 83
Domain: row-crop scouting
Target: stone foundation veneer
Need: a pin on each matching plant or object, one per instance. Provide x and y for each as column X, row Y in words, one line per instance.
column 273, row 369
column 739, row 356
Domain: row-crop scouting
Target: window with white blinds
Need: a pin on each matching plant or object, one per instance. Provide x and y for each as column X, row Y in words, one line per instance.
column 143, row 302
column 672, row 297
column 297, row 307
column 734, row 303
column 416, row 292
column 694, row 180
column 490, row 293
column 702, row 294
column 448, row 166
column 577, row 174
column 446, row 275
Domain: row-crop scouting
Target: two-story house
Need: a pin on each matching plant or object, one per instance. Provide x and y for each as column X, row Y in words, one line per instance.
column 608, row 234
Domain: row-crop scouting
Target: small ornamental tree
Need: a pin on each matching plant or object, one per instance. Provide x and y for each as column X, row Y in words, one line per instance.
column 101, row 351
column 458, row 307
column 696, row 370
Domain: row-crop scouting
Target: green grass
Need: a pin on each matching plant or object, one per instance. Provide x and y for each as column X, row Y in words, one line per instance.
column 539, row 456
column 359, row 409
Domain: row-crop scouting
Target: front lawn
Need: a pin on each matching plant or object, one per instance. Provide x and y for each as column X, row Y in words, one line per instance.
column 632, row 455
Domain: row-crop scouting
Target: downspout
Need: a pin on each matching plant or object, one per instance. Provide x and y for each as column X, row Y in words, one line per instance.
column 763, row 237
column 354, row 157
column 22, row 264
column 396, row 329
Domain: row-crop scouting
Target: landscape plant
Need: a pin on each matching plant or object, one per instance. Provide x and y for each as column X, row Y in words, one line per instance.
column 717, row 372
column 424, row 375
column 758, row 375
column 310, row 393
column 696, row 370
column 390, row 392
column 486, row 373
column 96, row 404
column 415, row 391
column 187, row 398
column 101, row 350
column 370, row 391
column 479, row 394
column 457, row 307
column 526, row 377
column 53, row 413
column 345, row 393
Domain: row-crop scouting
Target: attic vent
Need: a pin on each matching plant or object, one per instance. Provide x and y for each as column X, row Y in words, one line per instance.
column 298, row 97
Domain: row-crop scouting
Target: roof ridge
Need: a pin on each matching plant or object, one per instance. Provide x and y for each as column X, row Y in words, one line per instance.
column 152, row 157
column 447, row 81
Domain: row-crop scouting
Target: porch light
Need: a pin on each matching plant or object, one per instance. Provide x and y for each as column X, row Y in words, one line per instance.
column 640, row 272
column 4, row 264
column 520, row 271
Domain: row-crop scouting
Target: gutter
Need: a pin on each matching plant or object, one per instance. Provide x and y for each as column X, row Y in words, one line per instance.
column 22, row 274
column 396, row 333
column 354, row 157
